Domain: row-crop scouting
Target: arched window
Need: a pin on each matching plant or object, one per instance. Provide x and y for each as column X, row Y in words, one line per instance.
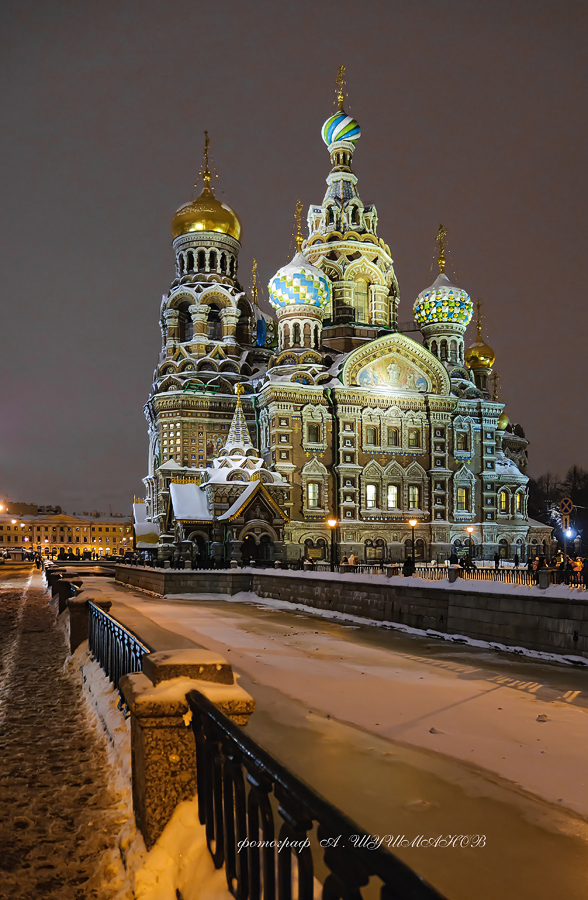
column 434, row 348
column 243, row 332
column 453, row 351
column 316, row 337
column 393, row 437
column 461, row 440
column 519, row 502
column 414, row 496
column 201, row 260
column 185, row 326
column 223, row 263
column 360, row 298
column 213, row 262
column 296, row 337
column 443, row 349
column 463, row 499
column 503, row 502
column 181, row 264
column 232, row 267
column 190, row 267
column 393, row 496
column 214, row 327
column 371, row 496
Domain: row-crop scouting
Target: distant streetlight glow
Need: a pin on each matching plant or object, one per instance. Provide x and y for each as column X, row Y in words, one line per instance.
column 412, row 522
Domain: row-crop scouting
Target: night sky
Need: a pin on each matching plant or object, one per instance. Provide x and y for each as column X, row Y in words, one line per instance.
column 473, row 114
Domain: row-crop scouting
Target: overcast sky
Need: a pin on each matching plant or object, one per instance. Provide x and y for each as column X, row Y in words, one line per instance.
column 472, row 113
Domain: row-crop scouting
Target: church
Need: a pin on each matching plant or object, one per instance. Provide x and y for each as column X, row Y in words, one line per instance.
column 261, row 429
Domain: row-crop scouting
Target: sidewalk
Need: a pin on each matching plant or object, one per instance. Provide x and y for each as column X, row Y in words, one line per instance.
column 59, row 818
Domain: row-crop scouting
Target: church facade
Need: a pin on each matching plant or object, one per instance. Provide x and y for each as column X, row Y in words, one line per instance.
column 261, row 428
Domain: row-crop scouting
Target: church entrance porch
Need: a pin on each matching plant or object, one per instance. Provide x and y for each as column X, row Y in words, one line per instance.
column 257, row 549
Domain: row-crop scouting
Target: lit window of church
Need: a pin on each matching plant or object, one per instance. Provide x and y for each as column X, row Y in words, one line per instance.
column 414, row 437
column 313, row 491
column 392, row 496
column 371, row 436
column 414, row 496
column 393, row 437
column 313, row 434
column 371, row 496
column 462, row 499
column 461, row 440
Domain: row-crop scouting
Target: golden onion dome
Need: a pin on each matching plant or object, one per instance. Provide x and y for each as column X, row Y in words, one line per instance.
column 206, row 213
column 479, row 353
column 503, row 421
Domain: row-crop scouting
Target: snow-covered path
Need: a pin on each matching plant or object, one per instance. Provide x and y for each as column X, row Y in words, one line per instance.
column 414, row 736
column 58, row 817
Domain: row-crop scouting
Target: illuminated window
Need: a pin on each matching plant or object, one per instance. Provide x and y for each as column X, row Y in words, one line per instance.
column 414, row 437
column 461, row 440
column 392, row 496
column 360, row 300
column 313, row 434
column 371, row 496
column 393, row 437
column 462, row 499
column 519, row 502
column 313, row 492
column 503, row 501
column 371, row 436
column 414, row 496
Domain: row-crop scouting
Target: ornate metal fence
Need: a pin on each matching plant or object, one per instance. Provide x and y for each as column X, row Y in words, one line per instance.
column 272, row 832
column 117, row 650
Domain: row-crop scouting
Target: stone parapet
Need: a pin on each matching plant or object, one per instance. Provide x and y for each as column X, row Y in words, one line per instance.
column 163, row 747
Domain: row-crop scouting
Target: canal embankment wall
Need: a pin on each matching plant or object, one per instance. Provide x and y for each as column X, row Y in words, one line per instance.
column 554, row 620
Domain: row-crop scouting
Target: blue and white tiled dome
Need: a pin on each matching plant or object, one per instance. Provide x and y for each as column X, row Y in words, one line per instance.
column 443, row 302
column 340, row 127
column 299, row 282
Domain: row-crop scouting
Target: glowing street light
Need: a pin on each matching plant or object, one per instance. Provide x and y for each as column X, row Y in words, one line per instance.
column 413, row 523
column 332, row 523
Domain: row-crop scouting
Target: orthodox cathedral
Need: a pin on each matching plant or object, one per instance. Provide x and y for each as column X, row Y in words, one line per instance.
column 261, row 429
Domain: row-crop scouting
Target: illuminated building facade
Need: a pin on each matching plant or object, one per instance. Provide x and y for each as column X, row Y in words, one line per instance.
column 57, row 532
column 346, row 414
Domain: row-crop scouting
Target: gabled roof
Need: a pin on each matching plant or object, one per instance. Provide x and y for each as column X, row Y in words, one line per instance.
column 244, row 499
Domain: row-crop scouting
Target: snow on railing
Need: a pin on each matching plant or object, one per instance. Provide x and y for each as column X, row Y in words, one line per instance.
column 117, row 650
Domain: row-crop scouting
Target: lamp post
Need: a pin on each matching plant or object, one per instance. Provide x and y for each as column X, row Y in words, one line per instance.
column 413, row 523
column 470, row 531
column 332, row 523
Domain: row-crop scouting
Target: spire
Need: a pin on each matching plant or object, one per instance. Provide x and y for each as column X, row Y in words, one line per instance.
column 254, row 289
column 298, row 234
column 205, row 168
column 340, row 87
column 495, row 380
column 441, row 235
column 238, row 432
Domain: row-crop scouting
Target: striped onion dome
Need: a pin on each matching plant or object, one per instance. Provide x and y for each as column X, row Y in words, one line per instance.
column 340, row 127
column 299, row 282
column 443, row 302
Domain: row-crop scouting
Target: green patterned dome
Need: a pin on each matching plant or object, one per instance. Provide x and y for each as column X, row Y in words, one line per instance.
column 443, row 302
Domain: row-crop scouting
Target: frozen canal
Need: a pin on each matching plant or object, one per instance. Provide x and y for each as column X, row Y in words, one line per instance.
column 412, row 736
column 58, row 817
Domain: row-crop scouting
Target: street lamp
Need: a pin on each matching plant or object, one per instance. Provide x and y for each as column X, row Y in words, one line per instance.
column 332, row 523
column 413, row 523
column 470, row 531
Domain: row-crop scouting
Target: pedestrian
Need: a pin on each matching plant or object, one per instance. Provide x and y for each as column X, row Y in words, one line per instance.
column 353, row 561
column 453, row 560
column 408, row 568
column 516, row 561
column 496, row 560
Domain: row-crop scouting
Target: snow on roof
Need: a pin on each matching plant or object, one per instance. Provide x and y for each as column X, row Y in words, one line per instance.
column 147, row 534
column 505, row 466
column 189, row 502
column 140, row 512
column 170, row 464
column 241, row 499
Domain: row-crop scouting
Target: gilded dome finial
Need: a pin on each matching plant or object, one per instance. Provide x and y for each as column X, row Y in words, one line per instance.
column 239, row 389
column 340, row 87
column 298, row 234
column 254, row 290
column 441, row 235
column 206, row 169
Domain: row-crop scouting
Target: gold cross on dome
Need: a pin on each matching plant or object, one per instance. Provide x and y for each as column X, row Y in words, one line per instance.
column 441, row 235
column 340, row 86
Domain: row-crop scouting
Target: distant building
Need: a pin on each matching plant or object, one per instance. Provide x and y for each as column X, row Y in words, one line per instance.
column 344, row 413
column 50, row 534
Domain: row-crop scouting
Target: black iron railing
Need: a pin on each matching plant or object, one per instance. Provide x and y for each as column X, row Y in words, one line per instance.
column 246, row 798
column 117, row 650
